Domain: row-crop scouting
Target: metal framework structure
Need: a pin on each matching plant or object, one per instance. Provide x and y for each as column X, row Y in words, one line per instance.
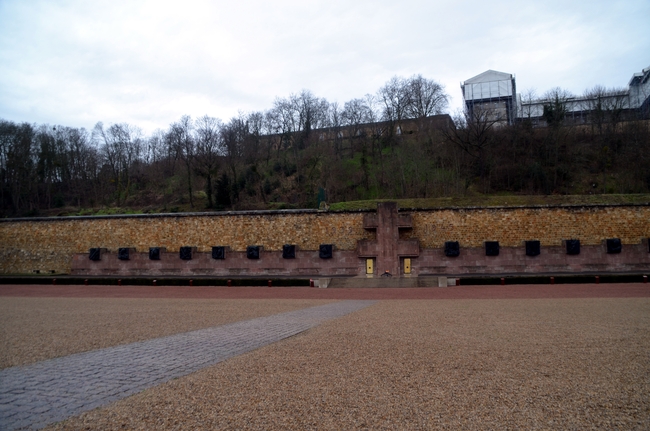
column 493, row 94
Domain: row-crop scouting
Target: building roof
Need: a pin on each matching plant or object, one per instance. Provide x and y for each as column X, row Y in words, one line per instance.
column 489, row 76
column 488, row 85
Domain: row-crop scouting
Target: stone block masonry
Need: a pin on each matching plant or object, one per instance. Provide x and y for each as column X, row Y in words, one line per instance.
column 549, row 225
column 48, row 245
column 62, row 245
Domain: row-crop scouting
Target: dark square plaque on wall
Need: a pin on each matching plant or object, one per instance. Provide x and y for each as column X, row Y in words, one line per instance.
column 95, row 254
column 325, row 251
column 573, row 246
column 491, row 248
column 154, row 253
column 532, row 248
column 185, row 253
column 123, row 253
column 219, row 252
column 614, row 245
column 253, row 252
column 288, row 251
column 452, row 249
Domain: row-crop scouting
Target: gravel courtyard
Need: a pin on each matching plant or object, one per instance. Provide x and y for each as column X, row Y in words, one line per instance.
column 561, row 363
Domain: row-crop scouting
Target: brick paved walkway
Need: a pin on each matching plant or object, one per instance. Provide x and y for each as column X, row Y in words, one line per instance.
column 50, row 391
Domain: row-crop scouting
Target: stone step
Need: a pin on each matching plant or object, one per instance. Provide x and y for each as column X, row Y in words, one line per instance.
column 387, row 282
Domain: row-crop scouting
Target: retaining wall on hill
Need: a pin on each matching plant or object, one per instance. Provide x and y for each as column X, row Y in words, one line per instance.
column 62, row 244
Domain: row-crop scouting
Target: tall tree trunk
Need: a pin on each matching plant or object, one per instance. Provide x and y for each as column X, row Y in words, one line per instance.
column 189, row 182
column 209, row 190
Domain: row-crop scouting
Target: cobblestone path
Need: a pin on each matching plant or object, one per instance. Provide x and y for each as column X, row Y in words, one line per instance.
column 36, row 395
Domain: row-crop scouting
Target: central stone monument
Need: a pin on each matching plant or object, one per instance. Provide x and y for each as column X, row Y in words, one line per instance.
column 388, row 250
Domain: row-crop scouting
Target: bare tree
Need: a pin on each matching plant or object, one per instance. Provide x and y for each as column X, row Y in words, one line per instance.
column 180, row 136
column 272, row 125
column 17, row 156
column 48, row 167
column 527, row 108
column 285, row 122
column 425, row 97
column 395, row 100
column 473, row 133
column 234, row 135
column 310, row 113
column 256, row 128
column 556, row 106
column 605, row 106
column 336, row 123
column 121, row 146
column 355, row 113
column 77, row 162
column 162, row 155
column 209, row 148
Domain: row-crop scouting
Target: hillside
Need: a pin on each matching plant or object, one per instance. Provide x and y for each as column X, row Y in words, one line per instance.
column 499, row 201
column 436, row 160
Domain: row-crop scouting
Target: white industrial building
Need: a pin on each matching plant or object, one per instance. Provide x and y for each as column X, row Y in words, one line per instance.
column 493, row 94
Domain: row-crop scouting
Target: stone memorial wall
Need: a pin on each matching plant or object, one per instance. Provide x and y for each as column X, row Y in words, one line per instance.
column 45, row 245
column 314, row 243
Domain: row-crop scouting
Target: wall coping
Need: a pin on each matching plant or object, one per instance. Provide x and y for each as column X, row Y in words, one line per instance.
column 186, row 214
column 518, row 207
column 309, row 211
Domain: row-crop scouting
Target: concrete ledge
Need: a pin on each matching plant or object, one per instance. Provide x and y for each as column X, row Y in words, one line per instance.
column 384, row 282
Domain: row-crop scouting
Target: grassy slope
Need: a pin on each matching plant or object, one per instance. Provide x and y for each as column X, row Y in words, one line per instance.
column 445, row 202
column 497, row 201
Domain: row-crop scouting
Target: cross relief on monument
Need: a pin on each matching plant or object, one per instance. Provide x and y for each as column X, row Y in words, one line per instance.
column 388, row 249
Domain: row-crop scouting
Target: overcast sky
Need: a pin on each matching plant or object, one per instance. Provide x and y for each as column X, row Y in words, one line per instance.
column 147, row 63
